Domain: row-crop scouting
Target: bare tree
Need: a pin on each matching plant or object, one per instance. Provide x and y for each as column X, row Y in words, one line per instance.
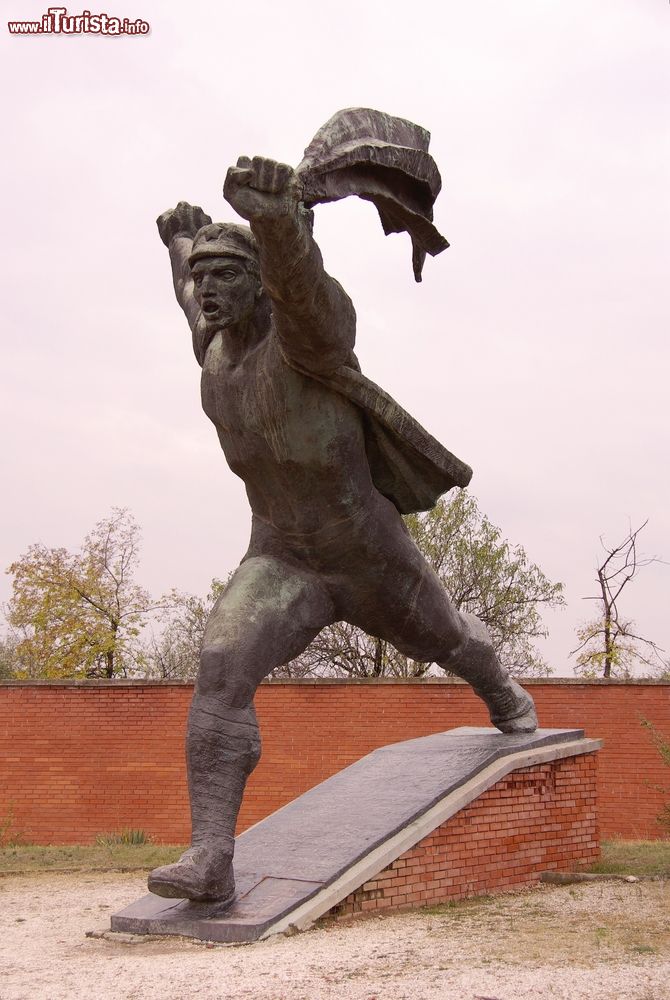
column 173, row 649
column 343, row 650
column 609, row 644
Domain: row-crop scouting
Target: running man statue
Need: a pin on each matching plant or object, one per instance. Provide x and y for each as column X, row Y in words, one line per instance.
column 328, row 459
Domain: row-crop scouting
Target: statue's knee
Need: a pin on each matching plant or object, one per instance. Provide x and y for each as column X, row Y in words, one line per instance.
column 212, row 669
column 223, row 673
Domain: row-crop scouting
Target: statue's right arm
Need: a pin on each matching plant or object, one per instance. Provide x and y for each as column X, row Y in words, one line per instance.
column 177, row 229
column 313, row 316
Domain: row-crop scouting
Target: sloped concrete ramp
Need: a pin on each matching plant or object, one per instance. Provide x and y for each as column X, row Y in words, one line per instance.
column 296, row 864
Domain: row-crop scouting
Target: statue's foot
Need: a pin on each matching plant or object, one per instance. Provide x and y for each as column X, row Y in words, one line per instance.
column 512, row 709
column 202, row 873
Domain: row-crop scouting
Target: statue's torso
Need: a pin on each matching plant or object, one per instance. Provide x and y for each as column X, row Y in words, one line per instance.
column 298, row 445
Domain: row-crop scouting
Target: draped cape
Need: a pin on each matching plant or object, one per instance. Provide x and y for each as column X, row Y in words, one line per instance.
column 381, row 159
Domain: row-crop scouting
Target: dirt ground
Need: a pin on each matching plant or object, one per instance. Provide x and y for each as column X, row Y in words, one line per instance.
column 588, row 942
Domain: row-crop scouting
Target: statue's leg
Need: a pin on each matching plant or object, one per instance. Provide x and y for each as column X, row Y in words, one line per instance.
column 267, row 615
column 406, row 604
column 511, row 708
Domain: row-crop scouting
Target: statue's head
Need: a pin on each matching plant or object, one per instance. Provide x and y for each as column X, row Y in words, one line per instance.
column 226, row 275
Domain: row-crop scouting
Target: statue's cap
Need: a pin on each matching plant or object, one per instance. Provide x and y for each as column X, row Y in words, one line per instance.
column 224, row 239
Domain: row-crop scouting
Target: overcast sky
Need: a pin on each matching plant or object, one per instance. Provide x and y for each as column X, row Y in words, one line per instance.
column 536, row 348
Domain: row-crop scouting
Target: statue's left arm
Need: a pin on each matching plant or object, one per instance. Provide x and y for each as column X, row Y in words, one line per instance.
column 177, row 228
column 314, row 317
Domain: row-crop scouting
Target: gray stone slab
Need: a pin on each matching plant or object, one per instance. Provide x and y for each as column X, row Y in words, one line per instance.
column 252, row 913
column 308, row 844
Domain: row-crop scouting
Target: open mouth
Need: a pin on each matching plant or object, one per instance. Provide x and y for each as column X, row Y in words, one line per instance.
column 210, row 308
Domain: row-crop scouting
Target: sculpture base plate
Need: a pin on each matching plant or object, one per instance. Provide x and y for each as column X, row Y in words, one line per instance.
column 302, row 860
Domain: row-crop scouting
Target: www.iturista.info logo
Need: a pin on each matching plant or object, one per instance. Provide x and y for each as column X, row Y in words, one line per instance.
column 57, row 21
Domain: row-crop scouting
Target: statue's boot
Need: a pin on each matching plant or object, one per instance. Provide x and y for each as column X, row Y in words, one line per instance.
column 222, row 748
column 511, row 708
column 201, row 873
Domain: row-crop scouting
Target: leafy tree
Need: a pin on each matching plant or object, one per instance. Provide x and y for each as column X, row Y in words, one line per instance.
column 80, row 614
column 9, row 661
column 483, row 574
column 609, row 645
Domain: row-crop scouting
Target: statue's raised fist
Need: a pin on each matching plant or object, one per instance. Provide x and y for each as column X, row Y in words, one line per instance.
column 184, row 220
column 262, row 188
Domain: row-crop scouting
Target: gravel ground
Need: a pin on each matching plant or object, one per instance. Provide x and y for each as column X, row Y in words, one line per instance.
column 588, row 942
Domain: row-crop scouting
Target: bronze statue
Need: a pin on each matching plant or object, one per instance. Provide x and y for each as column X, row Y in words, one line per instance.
column 328, row 459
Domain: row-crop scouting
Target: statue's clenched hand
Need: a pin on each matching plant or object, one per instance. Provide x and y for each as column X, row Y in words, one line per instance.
column 262, row 188
column 184, row 220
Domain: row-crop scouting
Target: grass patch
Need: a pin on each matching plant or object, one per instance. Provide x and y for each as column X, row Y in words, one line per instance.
column 30, row 858
column 126, row 850
column 634, row 857
column 130, row 837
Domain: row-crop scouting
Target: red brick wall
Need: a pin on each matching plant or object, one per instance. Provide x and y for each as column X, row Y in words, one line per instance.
column 537, row 819
column 81, row 759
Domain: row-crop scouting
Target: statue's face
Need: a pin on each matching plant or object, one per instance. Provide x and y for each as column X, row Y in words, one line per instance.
column 225, row 291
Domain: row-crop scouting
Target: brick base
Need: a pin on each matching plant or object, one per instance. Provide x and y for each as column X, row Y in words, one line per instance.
column 536, row 819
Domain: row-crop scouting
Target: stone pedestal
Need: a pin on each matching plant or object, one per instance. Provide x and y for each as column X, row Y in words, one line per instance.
column 444, row 816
